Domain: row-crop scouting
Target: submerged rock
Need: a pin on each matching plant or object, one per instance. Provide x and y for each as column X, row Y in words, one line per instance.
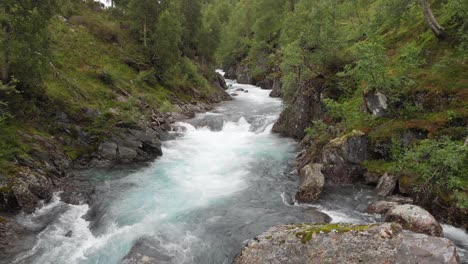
column 414, row 218
column 341, row 243
column 311, row 185
column 148, row 251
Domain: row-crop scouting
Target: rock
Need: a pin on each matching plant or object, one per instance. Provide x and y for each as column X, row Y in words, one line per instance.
column 381, row 207
column 342, row 158
column 108, row 150
column 400, row 199
column 311, row 183
column 304, row 108
column 341, row 243
column 371, row 177
column 69, row 234
column 276, row 90
column 414, row 218
column 147, row 250
column 234, row 94
column 412, row 135
column 213, row 121
column 126, row 154
column 386, row 185
column 221, row 81
column 62, row 117
column 266, row 84
column 239, row 90
column 243, row 75
column 377, row 103
column 30, row 187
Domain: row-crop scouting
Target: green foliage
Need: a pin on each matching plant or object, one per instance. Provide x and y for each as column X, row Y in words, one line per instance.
column 167, row 37
column 442, row 167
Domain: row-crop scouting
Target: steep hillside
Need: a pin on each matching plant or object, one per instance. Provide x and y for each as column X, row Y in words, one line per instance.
column 371, row 87
column 101, row 104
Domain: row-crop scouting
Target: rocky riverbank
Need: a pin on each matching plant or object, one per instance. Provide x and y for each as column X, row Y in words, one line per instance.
column 49, row 169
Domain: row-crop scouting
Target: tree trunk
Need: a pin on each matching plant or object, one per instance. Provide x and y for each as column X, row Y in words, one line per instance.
column 431, row 21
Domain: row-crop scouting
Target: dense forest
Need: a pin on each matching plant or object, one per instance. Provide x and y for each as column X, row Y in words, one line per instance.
column 84, row 85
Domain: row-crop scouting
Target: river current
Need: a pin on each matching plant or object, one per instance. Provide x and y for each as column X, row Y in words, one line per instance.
column 223, row 178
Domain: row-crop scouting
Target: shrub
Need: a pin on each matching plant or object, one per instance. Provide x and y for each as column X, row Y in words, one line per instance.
column 441, row 167
column 105, row 31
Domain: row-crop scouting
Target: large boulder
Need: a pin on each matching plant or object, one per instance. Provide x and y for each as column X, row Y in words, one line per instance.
column 311, row 183
column 341, row 243
column 305, row 107
column 377, row 103
column 243, row 75
column 386, row 185
column 221, row 81
column 266, row 84
column 342, row 158
column 276, row 90
column 414, row 218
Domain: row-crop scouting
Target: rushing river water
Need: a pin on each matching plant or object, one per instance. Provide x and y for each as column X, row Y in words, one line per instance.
column 224, row 179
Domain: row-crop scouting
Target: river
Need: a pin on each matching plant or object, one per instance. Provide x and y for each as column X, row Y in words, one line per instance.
column 223, row 178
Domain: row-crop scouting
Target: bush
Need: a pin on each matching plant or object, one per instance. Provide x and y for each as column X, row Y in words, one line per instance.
column 441, row 167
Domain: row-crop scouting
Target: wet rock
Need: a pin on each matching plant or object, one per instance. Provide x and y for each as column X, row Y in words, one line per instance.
column 377, row 103
column 239, row 90
column 311, row 183
column 386, row 185
column 266, row 84
column 213, row 122
column 341, row 243
column 342, row 158
column 69, row 234
column 147, row 250
column 381, row 207
column 30, row 187
column 234, row 94
column 276, row 89
column 414, row 218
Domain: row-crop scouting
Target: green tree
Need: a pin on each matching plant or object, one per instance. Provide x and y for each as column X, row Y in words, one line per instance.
column 24, row 41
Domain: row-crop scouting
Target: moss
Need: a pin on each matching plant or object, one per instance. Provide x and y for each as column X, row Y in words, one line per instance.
column 341, row 140
column 312, row 230
column 378, row 166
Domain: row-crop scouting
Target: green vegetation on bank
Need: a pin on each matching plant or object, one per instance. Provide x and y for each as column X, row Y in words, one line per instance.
column 74, row 61
column 413, row 52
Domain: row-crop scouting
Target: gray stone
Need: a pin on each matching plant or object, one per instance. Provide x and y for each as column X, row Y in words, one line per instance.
column 386, row 185
column 276, row 90
column 127, row 154
column 414, row 218
column 311, row 183
column 381, row 207
column 108, row 150
column 377, row 103
column 342, row 158
column 307, row 243
column 266, row 84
